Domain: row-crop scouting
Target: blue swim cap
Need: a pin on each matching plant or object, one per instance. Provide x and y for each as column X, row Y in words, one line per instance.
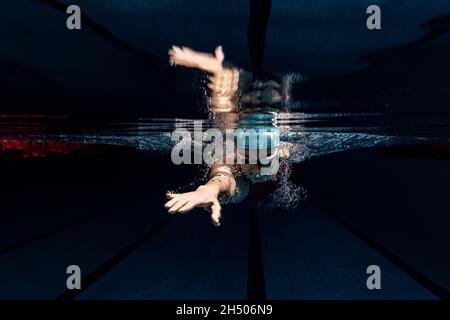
column 258, row 138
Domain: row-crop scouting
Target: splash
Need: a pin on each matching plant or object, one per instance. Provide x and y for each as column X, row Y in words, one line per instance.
column 287, row 196
column 289, row 80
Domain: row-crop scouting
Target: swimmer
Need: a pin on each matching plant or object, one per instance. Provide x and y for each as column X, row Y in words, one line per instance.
column 234, row 93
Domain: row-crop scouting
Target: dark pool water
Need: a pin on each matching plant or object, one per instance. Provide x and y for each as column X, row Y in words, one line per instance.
column 364, row 189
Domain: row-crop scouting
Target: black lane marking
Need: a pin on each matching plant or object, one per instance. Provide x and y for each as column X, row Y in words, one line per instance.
column 57, row 230
column 51, row 232
column 148, row 58
column 421, row 278
column 256, row 288
column 258, row 21
column 92, row 277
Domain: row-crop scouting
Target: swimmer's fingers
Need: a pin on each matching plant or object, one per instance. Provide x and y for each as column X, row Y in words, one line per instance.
column 177, row 50
column 219, row 54
column 216, row 213
column 172, row 57
column 180, row 203
column 171, row 195
column 183, row 204
column 169, row 204
column 182, row 56
column 174, row 52
column 175, row 59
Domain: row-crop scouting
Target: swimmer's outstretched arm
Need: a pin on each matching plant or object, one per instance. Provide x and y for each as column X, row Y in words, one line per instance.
column 187, row 57
column 206, row 196
column 223, row 81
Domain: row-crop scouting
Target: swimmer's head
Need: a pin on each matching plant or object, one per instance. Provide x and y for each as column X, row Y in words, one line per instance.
column 257, row 144
column 258, row 152
column 265, row 90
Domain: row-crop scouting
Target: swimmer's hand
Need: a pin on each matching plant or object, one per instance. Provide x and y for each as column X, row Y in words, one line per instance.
column 205, row 196
column 193, row 59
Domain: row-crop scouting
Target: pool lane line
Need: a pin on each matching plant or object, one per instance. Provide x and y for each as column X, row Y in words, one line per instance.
column 51, row 232
column 256, row 289
column 426, row 282
column 56, row 230
column 107, row 266
column 147, row 58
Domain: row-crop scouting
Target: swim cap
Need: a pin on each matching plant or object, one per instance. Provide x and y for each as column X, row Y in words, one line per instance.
column 258, row 138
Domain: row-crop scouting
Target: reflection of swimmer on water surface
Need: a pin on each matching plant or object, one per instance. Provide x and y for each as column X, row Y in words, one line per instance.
column 232, row 89
column 252, row 103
